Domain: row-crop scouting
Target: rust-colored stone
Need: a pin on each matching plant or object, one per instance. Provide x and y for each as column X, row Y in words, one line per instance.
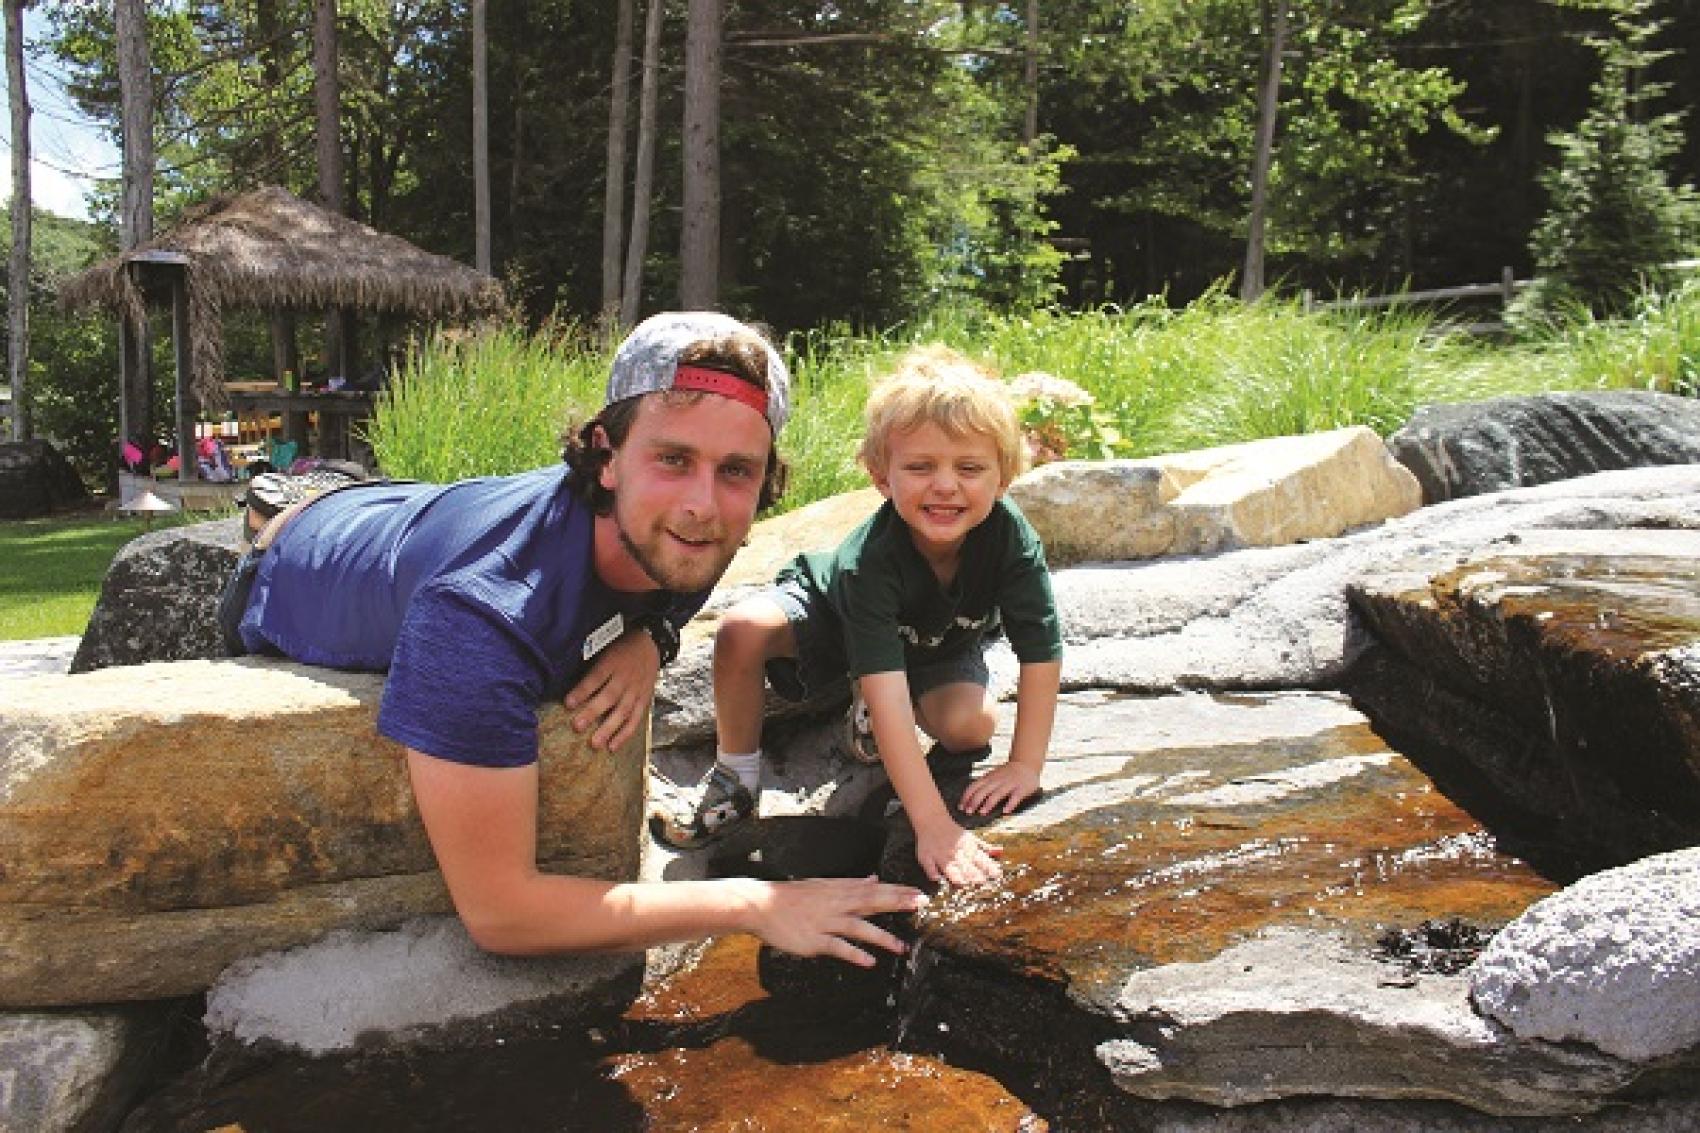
column 779, row 1065
column 1156, row 881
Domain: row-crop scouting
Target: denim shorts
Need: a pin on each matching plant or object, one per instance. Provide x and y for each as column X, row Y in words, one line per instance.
column 820, row 670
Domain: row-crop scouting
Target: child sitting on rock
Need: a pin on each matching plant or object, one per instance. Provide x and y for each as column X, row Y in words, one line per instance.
column 901, row 609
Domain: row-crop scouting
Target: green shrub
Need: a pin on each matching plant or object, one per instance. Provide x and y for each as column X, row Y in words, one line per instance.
column 1615, row 219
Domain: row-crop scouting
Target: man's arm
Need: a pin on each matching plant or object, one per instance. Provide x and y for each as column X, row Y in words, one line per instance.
column 942, row 846
column 482, row 822
column 1011, row 783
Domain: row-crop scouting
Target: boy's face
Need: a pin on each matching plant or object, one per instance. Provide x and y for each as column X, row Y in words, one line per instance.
column 942, row 486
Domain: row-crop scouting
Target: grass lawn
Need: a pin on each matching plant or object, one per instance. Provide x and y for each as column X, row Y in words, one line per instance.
column 50, row 571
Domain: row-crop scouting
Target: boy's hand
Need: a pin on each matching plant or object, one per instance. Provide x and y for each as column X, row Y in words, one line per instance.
column 949, row 852
column 1007, row 785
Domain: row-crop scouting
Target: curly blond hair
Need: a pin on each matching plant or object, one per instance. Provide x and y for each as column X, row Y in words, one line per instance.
column 938, row 386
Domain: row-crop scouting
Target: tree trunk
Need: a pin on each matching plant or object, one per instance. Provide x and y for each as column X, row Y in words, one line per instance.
column 327, row 147
column 643, row 178
column 1030, row 126
column 614, row 177
column 286, row 357
column 135, row 215
column 1268, row 103
column 699, row 244
column 18, row 270
column 480, row 138
column 327, row 105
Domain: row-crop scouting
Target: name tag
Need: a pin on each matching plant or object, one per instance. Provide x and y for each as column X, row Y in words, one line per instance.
column 602, row 635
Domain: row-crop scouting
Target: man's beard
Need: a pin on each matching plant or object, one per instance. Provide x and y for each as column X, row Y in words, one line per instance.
column 681, row 577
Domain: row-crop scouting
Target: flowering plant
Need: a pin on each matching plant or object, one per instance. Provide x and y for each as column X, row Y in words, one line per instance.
column 1060, row 421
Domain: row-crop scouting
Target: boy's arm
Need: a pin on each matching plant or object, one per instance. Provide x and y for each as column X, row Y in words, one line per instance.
column 943, row 847
column 1013, row 782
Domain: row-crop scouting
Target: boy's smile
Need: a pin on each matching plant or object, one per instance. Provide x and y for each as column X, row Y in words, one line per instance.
column 942, row 486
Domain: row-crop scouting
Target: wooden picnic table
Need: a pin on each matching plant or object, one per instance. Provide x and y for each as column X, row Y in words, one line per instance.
column 332, row 411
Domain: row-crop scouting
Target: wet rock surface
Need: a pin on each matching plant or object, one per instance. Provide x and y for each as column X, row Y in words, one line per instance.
column 1197, row 915
column 1215, row 915
column 712, row 1048
column 1571, row 661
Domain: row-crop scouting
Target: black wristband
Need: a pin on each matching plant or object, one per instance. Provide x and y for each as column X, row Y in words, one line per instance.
column 661, row 632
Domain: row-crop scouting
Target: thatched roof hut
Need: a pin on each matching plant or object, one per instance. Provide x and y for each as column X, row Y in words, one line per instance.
column 270, row 250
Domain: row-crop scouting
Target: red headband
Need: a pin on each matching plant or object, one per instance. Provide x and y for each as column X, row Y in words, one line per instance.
column 724, row 384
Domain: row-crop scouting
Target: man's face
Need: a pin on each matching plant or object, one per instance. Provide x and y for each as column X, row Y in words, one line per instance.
column 685, row 485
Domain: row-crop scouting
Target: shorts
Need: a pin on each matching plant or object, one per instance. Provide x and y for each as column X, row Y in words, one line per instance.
column 820, row 670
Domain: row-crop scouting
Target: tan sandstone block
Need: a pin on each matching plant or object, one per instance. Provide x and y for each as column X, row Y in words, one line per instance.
column 1096, row 511
column 160, row 821
column 1283, row 490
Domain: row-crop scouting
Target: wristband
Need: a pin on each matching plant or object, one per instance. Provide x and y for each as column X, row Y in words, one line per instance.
column 661, row 632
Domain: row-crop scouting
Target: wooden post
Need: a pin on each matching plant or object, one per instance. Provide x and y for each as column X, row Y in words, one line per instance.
column 185, row 408
column 129, row 427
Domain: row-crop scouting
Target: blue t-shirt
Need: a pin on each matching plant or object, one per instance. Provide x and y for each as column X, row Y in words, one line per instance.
column 477, row 598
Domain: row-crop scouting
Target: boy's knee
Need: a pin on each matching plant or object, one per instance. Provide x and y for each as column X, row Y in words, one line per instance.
column 743, row 636
column 966, row 727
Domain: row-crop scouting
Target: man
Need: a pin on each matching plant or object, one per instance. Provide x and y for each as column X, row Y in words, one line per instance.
column 483, row 598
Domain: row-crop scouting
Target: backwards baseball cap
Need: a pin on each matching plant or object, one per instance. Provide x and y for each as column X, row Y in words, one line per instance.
column 648, row 362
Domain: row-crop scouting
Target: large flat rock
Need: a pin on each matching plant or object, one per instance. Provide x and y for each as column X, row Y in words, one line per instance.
column 159, row 822
column 1228, row 918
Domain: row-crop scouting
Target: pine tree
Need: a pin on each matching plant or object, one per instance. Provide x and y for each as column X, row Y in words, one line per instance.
column 1615, row 219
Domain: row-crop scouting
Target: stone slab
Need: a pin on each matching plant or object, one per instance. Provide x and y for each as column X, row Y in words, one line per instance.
column 158, row 822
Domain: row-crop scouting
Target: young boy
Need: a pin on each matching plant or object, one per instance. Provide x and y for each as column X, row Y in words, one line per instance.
column 902, row 608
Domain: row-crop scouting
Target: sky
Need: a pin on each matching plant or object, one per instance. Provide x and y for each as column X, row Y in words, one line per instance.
column 68, row 151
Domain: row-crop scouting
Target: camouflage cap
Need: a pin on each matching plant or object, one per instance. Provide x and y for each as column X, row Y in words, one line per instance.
column 648, row 362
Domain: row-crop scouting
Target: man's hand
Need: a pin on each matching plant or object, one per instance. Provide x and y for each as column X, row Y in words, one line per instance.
column 1007, row 785
column 613, row 697
column 824, row 916
column 949, row 852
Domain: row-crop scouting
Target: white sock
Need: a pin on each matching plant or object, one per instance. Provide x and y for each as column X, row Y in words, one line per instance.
column 746, row 767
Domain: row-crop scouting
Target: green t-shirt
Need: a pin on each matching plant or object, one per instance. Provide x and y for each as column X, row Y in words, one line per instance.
column 893, row 614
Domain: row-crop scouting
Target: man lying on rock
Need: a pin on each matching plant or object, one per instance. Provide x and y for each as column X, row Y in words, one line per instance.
column 482, row 599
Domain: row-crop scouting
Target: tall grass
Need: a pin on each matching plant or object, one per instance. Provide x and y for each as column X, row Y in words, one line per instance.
column 1214, row 372
column 487, row 404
